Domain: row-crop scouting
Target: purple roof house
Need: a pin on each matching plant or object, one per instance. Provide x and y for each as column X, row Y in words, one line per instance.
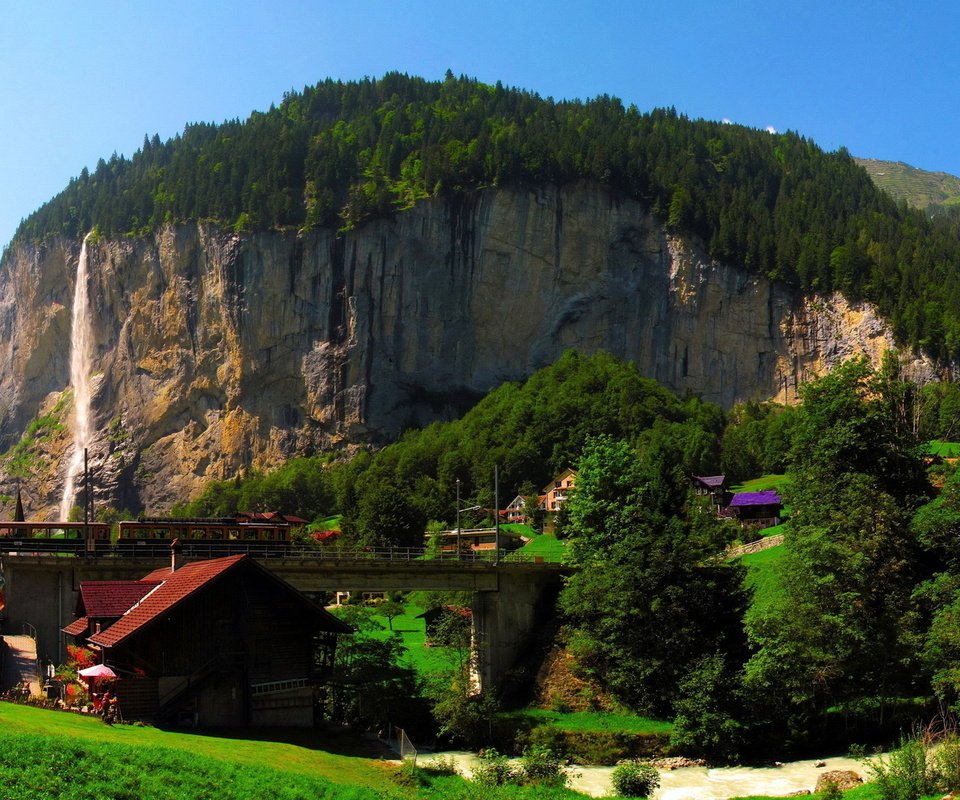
column 759, row 509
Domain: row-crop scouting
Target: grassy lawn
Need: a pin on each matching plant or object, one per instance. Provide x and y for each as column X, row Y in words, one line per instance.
column 866, row 792
column 541, row 544
column 546, row 545
column 306, row 753
column 425, row 660
column 776, row 530
column 764, row 482
column 762, row 574
column 944, row 449
column 327, row 523
column 50, row 754
column 589, row 721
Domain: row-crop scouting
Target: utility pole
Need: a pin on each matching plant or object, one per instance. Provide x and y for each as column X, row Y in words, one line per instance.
column 458, row 519
column 496, row 514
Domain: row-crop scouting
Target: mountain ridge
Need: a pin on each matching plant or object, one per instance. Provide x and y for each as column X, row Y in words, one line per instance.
column 218, row 353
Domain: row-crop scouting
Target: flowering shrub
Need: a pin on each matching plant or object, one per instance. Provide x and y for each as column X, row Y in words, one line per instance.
column 80, row 657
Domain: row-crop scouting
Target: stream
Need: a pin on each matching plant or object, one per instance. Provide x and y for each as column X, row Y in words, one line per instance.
column 695, row 783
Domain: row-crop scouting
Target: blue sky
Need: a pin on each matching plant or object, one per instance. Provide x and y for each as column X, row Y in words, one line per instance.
column 79, row 81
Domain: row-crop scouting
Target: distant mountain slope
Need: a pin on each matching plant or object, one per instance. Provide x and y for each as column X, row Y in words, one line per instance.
column 918, row 187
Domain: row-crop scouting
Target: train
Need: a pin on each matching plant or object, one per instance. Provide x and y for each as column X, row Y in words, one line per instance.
column 254, row 534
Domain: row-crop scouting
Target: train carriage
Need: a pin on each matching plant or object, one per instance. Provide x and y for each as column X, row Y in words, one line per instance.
column 75, row 538
column 203, row 537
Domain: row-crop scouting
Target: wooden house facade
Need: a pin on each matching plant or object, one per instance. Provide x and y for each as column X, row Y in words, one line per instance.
column 756, row 509
column 219, row 643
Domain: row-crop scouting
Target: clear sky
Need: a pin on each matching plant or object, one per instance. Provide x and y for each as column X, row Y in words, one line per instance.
column 80, row 81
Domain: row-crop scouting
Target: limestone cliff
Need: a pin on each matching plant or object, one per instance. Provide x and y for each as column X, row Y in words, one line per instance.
column 219, row 352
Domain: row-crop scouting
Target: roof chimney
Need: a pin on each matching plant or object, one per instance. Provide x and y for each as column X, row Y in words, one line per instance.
column 175, row 560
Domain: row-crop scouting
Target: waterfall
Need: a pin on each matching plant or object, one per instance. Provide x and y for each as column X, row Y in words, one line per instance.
column 81, row 364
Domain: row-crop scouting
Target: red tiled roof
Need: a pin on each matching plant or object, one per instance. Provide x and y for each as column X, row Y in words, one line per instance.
column 175, row 588
column 172, row 588
column 111, row 598
column 77, row 628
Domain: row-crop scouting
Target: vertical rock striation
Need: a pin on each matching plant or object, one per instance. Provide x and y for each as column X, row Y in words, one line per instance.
column 218, row 353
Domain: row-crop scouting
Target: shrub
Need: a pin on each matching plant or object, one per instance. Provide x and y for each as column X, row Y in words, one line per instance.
column 543, row 766
column 831, row 792
column 947, row 760
column 908, row 773
column 494, row 769
column 633, row 779
column 441, row 765
column 544, row 736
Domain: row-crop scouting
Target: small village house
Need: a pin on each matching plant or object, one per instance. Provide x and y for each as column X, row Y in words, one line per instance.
column 223, row 642
column 516, row 510
column 556, row 492
column 713, row 486
column 756, row 509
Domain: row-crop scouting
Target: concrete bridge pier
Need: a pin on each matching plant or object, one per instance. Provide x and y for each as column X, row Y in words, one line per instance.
column 505, row 622
column 44, row 599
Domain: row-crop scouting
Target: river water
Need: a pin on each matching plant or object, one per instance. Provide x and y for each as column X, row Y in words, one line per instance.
column 696, row 783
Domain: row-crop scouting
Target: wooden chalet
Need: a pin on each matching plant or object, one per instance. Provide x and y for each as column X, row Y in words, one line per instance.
column 714, row 486
column 223, row 642
column 756, row 509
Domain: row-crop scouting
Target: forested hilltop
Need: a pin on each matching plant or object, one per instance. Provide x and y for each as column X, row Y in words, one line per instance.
column 337, row 154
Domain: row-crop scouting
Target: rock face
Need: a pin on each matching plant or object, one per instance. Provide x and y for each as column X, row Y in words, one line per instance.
column 220, row 352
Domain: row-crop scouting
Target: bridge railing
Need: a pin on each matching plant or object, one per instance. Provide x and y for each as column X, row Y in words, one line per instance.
column 199, row 549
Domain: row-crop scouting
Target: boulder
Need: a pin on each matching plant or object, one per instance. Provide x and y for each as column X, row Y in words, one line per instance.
column 842, row 778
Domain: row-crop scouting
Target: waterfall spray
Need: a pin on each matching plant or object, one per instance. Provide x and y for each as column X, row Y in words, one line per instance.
column 81, row 364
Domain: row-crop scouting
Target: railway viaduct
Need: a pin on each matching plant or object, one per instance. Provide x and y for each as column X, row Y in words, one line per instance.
column 509, row 598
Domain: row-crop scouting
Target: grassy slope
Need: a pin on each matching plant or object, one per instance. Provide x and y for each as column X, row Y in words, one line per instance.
column 944, row 449
column 546, row 545
column 918, row 187
column 764, row 482
column 50, row 754
column 762, row 574
column 303, row 753
column 425, row 660
column 866, row 792
column 590, row 721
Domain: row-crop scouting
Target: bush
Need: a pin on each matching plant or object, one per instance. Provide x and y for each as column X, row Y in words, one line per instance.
column 494, row 769
column 542, row 766
column 633, row 779
column 947, row 759
column 832, row 792
column 440, row 765
column 908, row 773
column 545, row 737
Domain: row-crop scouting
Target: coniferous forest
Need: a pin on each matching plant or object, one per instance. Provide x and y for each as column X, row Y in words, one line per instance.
column 337, row 154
